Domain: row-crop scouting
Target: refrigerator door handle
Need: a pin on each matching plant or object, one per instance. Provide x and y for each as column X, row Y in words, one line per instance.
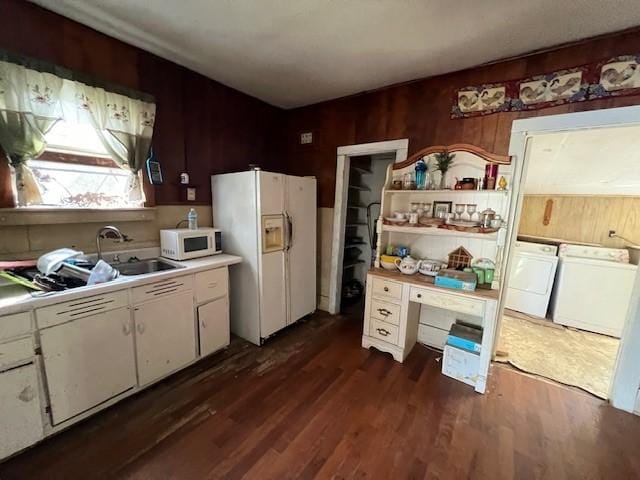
column 289, row 230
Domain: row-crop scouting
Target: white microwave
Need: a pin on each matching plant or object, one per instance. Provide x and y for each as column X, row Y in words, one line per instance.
column 184, row 244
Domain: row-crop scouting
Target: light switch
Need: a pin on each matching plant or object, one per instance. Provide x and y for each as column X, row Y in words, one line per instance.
column 191, row 194
column 306, row 138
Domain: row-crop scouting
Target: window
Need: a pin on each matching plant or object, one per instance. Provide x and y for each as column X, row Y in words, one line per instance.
column 76, row 171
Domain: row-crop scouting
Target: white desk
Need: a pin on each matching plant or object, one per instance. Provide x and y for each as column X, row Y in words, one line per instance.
column 392, row 313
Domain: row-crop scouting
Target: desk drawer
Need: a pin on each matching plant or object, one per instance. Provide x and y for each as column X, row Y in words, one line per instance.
column 432, row 336
column 456, row 303
column 387, row 312
column 383, row 331
column 386, row 288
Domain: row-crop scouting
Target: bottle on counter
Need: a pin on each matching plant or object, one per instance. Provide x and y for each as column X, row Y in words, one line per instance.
column 192, row 217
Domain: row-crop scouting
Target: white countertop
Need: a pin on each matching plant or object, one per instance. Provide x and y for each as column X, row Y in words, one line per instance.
column 22, row 304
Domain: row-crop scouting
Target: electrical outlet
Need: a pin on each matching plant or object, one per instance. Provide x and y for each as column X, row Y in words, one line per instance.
column 306, row 138
column 612, row 233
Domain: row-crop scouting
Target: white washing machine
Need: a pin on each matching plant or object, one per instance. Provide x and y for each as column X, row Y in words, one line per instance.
column 531, row 278
column 593, row 288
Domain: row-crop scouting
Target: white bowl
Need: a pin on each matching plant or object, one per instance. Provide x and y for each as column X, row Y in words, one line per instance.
column 388, row 265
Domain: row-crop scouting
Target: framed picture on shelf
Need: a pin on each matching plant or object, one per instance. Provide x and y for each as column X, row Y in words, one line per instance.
column 440, row 209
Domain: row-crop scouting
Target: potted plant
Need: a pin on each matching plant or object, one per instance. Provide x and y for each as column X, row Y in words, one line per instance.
column 444, row 161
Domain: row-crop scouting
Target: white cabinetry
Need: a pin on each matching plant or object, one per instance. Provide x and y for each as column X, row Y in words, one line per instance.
column 212, row 297
column 21, row 422
column 395, row 304
column 20, row 415
column 165, row 335
column 213, row 323
column 98, row 349
column 88, row 361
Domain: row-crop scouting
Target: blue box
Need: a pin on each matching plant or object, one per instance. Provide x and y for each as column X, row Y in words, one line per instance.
column 465, row 336
column 455, row 283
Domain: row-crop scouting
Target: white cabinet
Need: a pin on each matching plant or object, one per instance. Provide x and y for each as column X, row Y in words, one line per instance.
column 20, row 415
column 213, row 325
column 88, row 361
column 165, row 336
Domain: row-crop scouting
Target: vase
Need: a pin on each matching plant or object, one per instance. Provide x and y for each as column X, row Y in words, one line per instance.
column 443, row 180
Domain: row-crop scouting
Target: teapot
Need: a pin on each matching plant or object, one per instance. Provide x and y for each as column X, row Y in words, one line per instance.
column 408, row 265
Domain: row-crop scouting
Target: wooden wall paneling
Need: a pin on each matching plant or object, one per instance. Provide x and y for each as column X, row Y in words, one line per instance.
column 86, row 50
column 586, row 219
column 164, row 80
column 630, row 226
column 201, row 126
column 420, row 110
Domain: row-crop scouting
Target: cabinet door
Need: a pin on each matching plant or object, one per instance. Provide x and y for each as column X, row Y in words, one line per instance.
column 88, row 361
column 20, row 415
column 213, row 324
column 165, row 336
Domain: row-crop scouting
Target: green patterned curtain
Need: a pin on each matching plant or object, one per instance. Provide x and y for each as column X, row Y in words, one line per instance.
column 29, row 107
column 32, row 101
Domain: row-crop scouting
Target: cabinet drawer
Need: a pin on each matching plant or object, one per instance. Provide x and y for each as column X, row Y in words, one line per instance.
column 82, row 307
column 211, row 284
column 383, row 331
column 14, row 325
column 432, row 336
column 386, row 288
column 16, row 351
column 388, row 312
column 457, row 303
column 153, row 291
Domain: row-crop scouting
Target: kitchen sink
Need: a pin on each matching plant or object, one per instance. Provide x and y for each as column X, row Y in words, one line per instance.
column 144, row 266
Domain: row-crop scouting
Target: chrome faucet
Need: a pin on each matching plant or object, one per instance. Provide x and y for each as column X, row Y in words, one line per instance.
column 102, row 233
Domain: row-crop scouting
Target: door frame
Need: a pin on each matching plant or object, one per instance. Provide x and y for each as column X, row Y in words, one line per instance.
column 624, row 389
column 343, row 168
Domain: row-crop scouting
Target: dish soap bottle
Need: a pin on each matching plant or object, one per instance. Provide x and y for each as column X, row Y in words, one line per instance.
column 192, row 217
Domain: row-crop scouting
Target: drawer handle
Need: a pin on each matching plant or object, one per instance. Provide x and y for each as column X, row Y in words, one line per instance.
column 204, row 325
column 164, row 292
column 213, row 285
column 384, row 311
column 126, row 328
column 383, row 332
column 140, row 328
column 386, row 289
column 419, row 295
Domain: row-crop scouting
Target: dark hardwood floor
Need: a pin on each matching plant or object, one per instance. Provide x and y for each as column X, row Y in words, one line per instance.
column 313, row 404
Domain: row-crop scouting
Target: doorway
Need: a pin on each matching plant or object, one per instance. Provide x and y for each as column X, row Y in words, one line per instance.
column 366, row 179
column 360, row 176
column 570, row 296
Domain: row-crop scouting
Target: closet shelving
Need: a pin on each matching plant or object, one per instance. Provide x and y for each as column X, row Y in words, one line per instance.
column 362, row 188
column 360, row 169
column 354, row 265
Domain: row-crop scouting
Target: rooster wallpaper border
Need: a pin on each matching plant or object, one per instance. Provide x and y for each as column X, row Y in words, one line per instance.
column 616, row 76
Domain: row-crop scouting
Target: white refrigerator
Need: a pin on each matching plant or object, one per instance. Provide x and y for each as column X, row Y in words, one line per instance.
column 269, row 219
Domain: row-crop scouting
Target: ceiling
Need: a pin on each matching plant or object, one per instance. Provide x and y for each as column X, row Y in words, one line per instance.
column 599, row 161
column 293, row 53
